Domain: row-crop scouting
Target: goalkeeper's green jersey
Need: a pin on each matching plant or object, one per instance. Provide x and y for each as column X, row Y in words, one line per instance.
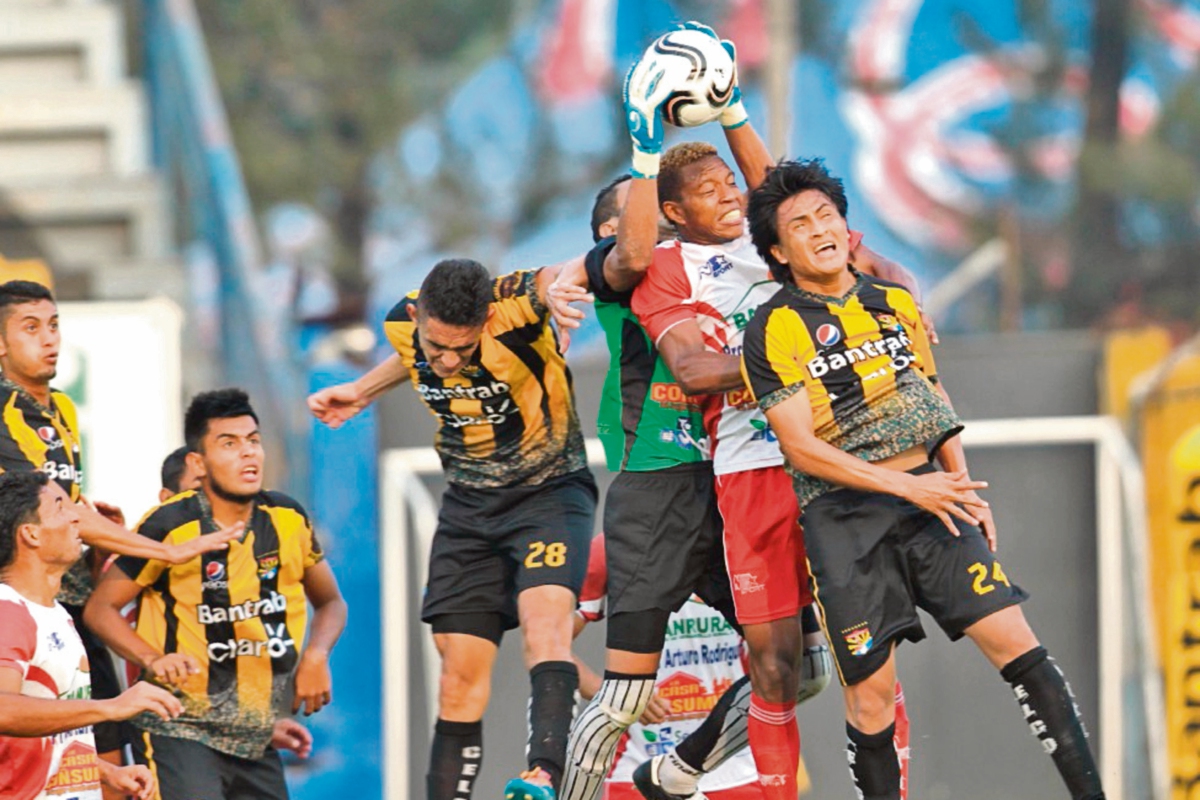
column 646, row 422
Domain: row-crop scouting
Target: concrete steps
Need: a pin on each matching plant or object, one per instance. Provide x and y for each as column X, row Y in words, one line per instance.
column 76, row 184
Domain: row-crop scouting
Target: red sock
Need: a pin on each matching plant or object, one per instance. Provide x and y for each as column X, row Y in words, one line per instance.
column 901, row 740
column 775, row 744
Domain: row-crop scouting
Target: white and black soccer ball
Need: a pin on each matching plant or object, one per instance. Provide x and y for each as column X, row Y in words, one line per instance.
column 699, row 72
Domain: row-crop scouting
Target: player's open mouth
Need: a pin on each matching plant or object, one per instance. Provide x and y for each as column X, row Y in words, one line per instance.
column 250, row 473
column 826, row 247
column 730, row 217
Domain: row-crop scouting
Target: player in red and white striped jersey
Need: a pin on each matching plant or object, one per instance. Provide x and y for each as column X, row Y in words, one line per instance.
column 46, row 712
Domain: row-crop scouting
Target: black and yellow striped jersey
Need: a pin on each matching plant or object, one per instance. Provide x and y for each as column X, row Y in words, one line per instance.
column 866, row 363
column 240, row 612
column 508, row 418
column 46, row 438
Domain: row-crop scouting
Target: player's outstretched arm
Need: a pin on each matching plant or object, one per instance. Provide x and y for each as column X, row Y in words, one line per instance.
column 40, row 716
column 337, row 404
column 637, row 230
column 749, row 150
column 314, row 684
column 98, row 531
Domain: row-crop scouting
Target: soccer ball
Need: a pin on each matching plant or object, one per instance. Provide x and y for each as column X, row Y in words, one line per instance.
column 699, row 71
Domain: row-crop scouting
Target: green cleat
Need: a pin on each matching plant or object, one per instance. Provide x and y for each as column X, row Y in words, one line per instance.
column 532, row 785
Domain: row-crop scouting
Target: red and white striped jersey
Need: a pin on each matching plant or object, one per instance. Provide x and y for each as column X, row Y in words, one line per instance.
column 41, row 644
column 719, row 286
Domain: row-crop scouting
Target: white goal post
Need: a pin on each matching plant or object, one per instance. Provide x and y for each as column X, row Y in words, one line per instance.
column 408, row 517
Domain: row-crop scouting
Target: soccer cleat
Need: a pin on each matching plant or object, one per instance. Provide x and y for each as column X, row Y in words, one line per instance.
column 645, row 778
column 531, row 785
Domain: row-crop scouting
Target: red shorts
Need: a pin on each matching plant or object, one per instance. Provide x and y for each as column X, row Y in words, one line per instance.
column 764, row 545
column 627, row 791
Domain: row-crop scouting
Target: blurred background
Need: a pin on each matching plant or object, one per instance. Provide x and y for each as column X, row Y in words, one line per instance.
column 257, row 183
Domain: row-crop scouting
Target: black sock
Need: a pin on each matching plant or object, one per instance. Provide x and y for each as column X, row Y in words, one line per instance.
column 454, row 760
column 551, row 707
column 1049, row 708
column 700, row 743
column 874, row 766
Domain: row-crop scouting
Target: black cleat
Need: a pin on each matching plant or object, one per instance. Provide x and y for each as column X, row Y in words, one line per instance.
column 645, row 778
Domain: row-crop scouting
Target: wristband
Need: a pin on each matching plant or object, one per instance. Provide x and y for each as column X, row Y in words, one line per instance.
column 734, row 116
column 645, row 165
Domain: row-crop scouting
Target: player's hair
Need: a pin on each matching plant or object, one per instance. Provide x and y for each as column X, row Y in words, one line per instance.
column 20, row 495
column 207, row 406
column 456, row 291
column 172, row 468
column 786, row 180
column 605, row 206
column 15, row 293
column 670, row 170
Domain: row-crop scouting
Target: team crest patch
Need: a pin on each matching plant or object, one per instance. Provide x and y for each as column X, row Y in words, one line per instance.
column 828, row 335
column 268, row 566
column 887, row 322
column 47, row 434
column 858, row 639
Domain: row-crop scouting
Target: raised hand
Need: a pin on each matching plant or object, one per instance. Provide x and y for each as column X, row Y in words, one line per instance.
column 335, row 405
column 947, row 495
column 143, row 696
column 734, row 115
column 644, row 93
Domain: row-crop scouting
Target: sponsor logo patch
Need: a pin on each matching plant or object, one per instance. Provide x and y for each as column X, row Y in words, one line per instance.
column 716, row 266
column 828, row 335
column 214, row 576
column 747, row 583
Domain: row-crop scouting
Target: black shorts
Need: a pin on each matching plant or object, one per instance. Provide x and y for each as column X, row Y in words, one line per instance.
column 188, row 770
column 875, row 558
column 106, row 685
column 492, row 544
column 662, row 535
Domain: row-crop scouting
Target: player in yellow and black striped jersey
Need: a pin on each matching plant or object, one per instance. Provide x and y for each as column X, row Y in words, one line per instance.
column 228, row 628
column 39, row 430
column 864, row 360
column 507, row 416
column 841, row 365
column 513, row 535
